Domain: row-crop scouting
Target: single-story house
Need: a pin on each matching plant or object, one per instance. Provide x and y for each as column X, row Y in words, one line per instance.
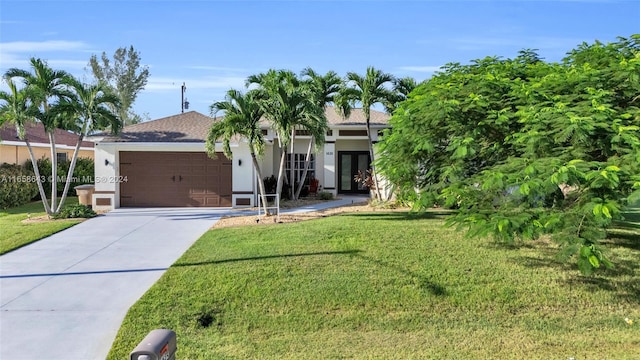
column 163, row 162
column 14, row 151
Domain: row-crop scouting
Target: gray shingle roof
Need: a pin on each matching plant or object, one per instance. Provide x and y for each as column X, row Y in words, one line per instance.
column 34, row 132
column 193, row 126
column 188, row 127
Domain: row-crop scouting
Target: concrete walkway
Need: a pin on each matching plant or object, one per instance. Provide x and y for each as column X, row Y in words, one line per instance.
column 64, row 297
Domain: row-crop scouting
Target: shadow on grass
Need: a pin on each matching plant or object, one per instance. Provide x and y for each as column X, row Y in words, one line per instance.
column 546, row 262
column 266, row 257
column 627, row 290
column 626, row 225
column 620, row 280
column 623, row 239
column 425, row 284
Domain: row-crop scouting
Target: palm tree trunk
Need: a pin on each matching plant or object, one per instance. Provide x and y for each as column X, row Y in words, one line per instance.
column 261, row 189
column 292, row 155
column 390, row 193
column 283, row 158
column 307, row 161
column 54, row 172
column 70, row 173
column 36, row 171
column 373, row 170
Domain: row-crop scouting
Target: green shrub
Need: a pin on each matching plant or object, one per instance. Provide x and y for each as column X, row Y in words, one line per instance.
column 18, row 185
column 75, row 211
column 82, row 173
column 325, row 195
column 270, row 184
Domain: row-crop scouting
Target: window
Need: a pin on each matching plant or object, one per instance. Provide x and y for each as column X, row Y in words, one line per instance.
column 352, row 132
column 299, row 167
column 61, row 157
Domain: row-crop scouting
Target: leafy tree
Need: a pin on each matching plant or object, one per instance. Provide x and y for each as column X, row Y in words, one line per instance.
column 126, row 78
column 43, row 87
column 368, row 90
column 242, row 115
column 287, row 105
column 523, row 148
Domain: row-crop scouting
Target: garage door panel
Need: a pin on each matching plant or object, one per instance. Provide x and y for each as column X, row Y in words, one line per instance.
column 175, row 179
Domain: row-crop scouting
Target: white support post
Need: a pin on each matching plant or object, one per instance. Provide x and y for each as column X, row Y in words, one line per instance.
column 266, row 208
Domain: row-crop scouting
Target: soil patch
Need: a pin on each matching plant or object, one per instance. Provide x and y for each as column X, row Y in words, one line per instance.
column 254, row 220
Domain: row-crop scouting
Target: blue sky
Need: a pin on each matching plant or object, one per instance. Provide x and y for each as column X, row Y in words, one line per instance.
column 213, row 46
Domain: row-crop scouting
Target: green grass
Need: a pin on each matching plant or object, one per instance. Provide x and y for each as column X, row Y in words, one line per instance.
column 15, row 234
column 386, row 286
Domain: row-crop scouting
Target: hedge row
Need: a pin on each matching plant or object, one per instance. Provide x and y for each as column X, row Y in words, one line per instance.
column 17, row 185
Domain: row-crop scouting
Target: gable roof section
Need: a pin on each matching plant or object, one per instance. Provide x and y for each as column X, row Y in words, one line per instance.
column 188, row 127
column 193, row 126
column 35, row 133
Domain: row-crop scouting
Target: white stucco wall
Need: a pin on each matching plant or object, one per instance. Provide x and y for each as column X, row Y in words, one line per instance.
column 243, row 175
column 327, row 173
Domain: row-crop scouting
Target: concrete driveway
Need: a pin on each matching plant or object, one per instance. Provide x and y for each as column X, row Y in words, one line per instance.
column 64, row 297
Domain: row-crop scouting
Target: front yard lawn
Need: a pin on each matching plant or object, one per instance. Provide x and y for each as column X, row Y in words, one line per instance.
column 387, row 285
column 15, row 233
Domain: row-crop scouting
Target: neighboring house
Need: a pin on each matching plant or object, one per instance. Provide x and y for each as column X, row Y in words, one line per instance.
column 163, row 162
column 14, row 151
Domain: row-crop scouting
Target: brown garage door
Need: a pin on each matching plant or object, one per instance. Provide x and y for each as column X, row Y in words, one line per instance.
column 174, row 179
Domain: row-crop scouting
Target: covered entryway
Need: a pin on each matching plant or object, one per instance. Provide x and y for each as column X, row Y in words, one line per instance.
column 177, row 179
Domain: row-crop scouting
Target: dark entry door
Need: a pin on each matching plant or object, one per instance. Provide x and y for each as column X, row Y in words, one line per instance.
column 349, row 162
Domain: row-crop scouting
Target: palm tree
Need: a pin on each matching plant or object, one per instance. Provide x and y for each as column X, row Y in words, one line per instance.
column 324, row 90
column 287, row 105
column 368, row 90
column 402, row 87
column 17, row 110
column 45, row 87
column 86, row 109
column 242, row 114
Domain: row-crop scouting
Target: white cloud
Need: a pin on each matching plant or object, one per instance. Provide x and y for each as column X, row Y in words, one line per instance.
column 17, row 53
column 41, row 46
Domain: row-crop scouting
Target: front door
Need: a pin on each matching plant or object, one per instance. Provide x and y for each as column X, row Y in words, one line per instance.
column 349, row 162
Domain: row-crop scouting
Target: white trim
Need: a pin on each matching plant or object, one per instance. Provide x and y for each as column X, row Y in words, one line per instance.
column 182, row 146
column 41, row 145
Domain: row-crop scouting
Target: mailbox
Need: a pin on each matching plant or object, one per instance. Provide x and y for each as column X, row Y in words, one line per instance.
column 159, row 344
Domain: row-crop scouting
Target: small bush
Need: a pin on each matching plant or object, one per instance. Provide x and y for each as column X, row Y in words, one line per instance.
column 270, row 184
column 325, row 195
column 75, row 211
column 17, row 185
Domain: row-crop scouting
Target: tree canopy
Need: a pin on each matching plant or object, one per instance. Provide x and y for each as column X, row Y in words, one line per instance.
column 56, row 100
column 126, row 78
column 522, row 148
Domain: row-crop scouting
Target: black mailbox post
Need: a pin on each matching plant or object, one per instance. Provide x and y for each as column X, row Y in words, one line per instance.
column 159, row 344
